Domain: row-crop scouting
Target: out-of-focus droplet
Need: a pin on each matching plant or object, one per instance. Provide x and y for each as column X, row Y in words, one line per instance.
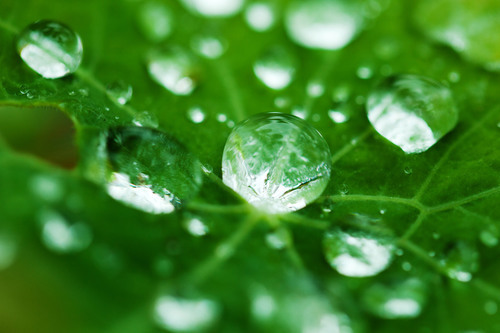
column 208, row 46
column 214, row 8
column 299, row 112
column 339, row 116
column 413, row 112
column 196, row 115
column 278, row 239
column 47, row 188
column 461, row 261
column 50, row 48
column 120, row 92
column 315, row 89
column 275, row 68
column 145, row 119
column 489, row 237
column 277, row 162
column 323, row 24
column 364, row 72
column 150, row 170
column 491, row 308
column 357, row 254
column 260, row 16
column 8, row 250
column 155, row 20
column 195, row 226
column 174, row 69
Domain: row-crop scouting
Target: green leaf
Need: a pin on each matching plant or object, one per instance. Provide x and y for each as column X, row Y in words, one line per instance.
column 216, row 264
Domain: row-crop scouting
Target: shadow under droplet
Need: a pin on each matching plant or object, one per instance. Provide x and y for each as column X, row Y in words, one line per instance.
column 43, row 131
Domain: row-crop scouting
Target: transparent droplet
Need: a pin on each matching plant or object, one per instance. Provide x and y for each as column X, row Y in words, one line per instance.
column 61, row 236
column 8, row 250
column 208, row 46
column 155, row 20
column 282, row 102
column 364, row 72
column 50, row 48
column 357, row 254
column 196, row 115
column 277, row 162
column 454, row 77
column 145, row 119
column 214, row 8
column 400, row 299
column 174, row 69
column 120, row 92
column 323, row 24
column 491, row 308
column 260, row 16
column 413, row 112
column 406, row 266
column 47, row 188
column 408, row 170
column 149, row 170
column 466, row 26
column 196, row 227
column 263, row 305
column 275, row 68
column 489, row 237
column 339, row 116
column 315, row 89
column 185, row 314
column 461, row 261
column 221, row 117
column 278, row 239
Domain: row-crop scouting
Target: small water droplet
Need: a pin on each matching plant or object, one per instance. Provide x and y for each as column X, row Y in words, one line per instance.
column 208, row 46
column 338, row 116
column 364, row 72
column 436, row 235
column 150, row 170
column 278, row 239
column 196, row 115
column 263, row 305
column 214, row 8
column 356, row 254
column 61, row 236
column 323, row 24
column 413, row 112
column 221, row 117
column 185, row 314
column 489, row 237
column 50, row 48
column 260, row 16
column 282, row 102
column 341, row 94
column 461, row 261
column 299, row 112
column 155, row 20
column 47, row 188
column 315, row 89
column 454, row 77
column 8, row 250
column 84, row 92
column 401, row 299
column 406, row 266
column 408, row 170
column 382, row 211
column 275, row 68
column 145, row 119
column 344, row 189
column 196, row 227
column 174, row 70
column 277, row 162
column 490, row 307
column 120, row 92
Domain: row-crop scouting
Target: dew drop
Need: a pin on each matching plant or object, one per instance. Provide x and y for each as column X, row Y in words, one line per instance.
column 454, row 77
column 174, row 70
column 364, row 72
column 208, row 46
column 461, row 261
column 149, row 170
column 155, row 21
column 47, row 188
column 275, row 68
column 260, row 16
column 145, row 119
column 315, row 89
column 339, row 116
column 278, row 239
column 277, row 162
column 50, row 48
column 214, row 8
column 357, row 254
column 221, row 117
column 413, row 112
column 490, row 307
column 61, row 236
column 323, row 24
column 8, row 250
column 281, row 102
column 466, row 26
column 299, row 112
column 263, row 305
column 489, row 237
column 408, row 170
column 120, row 92
column 185, row 314
column 196, row 115
column 196, row 227
column 401, row 299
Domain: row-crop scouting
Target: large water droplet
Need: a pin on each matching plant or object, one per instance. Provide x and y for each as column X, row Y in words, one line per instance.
column 275, row 68
column 401, row 299
column 323, row 24
column 50, row 48
column 357, row 254
column 214, row 8
column 466, row 26
column 277, row 162
column 260, row 16
column 174, row 70
column 120, row 92
column 61, row 236
column 413, row 112
column 155, row 20
column 185, row 314
column 150, row 170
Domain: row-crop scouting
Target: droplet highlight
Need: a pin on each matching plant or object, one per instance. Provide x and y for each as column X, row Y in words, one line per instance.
column 275, row 68
column 120, row 92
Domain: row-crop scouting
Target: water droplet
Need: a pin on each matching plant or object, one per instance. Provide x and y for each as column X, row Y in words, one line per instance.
column 50, row 48
column 461, row 261
column 47, row 188
column 120, row 92
column 278, row 239
column 413, row 112
column 155, row 21
column 490, row 308
column 84, row 92
column 401, row 299
column 406, row 266
column 341, row 93
column 338, row 116
column 221, row 117
column 174, row 70
column 196, row 227
column 282, row 102
column 8, row 250
column 263, row 305
column 277, row 162
column 323, row 24
column 344, row 189
column 357, row 254
column 61, row 236
column 275, row 69
column 260, row 16
column 185, row 314
column 408, row 170
column 299, row 112
column 214, row 8
column 454, row 77
column 436, row 235
column 464, row 26
column 150, row 170
column 489, row 237
column 364, row 72
column 208, row 46
column 315, row 89
column 145, row 119
column 196, row 115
